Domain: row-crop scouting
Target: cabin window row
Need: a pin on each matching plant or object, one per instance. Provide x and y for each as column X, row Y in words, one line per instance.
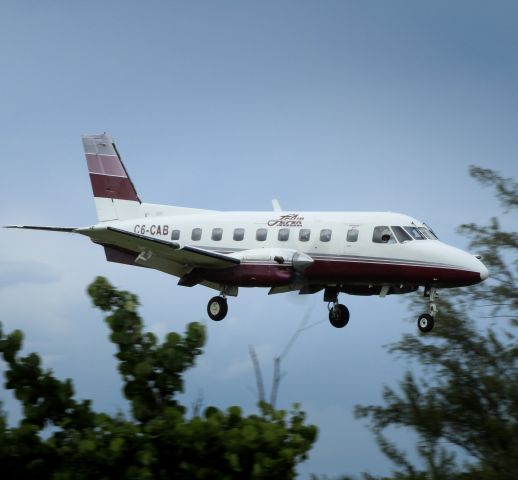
column 261, row 234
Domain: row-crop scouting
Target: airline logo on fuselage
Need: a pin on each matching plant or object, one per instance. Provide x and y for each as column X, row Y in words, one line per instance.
column 292, row 220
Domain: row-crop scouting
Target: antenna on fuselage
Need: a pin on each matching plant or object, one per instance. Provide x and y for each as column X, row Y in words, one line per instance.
column 276, row 205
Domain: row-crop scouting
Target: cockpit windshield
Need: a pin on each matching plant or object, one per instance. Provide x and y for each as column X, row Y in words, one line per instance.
column 397, row 234
column 431, row 232
column 401, row 235
column 426, row 233
column 415, row 233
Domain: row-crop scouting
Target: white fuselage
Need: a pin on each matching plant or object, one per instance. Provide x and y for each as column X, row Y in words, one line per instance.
column 341, row 245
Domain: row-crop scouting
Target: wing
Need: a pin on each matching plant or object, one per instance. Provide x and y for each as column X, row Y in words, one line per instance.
column 154, row 247
column 49, row 229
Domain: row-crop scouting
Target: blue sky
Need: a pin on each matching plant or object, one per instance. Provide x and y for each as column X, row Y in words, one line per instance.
column 334, row 105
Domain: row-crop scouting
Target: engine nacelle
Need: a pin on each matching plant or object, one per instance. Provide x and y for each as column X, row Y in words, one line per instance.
column 282, row 256
column 260, row 267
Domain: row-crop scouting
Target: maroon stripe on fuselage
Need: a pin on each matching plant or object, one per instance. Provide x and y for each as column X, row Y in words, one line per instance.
column 388, row 273
column 119, row 188
column 105, row 164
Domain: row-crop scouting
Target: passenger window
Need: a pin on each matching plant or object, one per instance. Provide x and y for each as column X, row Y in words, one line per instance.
column 217, row 233
column 325, row 235
column 304, row 234
column 261, row 234
column 239, row 234
column 414, row 233
column 196, row 234
column 284, row 234
column 175, row 235
column 352, row 235
column 401, row 235
column 383, row 234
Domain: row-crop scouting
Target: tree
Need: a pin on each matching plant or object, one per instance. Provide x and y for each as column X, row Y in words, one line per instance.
column 159, row 440
column 465, row 397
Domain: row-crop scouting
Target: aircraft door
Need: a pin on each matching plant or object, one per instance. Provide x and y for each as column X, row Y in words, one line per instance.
column 353, row 234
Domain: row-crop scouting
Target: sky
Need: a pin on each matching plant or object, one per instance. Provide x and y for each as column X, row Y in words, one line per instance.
column 335, row 105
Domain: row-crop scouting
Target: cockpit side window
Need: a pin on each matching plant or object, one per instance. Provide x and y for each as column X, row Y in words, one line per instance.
column 415, row 233
column 383, row 234
column 401, row 235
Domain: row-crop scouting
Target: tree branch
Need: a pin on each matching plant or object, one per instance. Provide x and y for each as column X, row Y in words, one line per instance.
column 258, row 373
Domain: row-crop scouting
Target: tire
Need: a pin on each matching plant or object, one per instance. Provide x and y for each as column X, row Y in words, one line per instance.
column 217, row 308
column 339, row 316
column 425, row 323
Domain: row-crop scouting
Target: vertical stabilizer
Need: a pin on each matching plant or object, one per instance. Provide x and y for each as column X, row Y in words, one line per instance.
column 115, row 195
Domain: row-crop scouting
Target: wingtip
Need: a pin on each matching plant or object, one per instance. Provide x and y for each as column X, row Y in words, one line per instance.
column 45, row 228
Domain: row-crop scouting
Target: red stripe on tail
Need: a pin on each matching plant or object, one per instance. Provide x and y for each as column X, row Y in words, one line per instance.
column 107, row 186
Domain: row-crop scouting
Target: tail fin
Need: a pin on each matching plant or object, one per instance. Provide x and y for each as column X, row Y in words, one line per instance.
column 114, row 193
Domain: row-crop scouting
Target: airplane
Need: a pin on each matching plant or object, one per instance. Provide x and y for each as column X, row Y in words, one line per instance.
column 356, row 253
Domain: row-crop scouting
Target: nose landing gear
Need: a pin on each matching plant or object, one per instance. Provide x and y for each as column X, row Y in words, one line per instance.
column 426, row 321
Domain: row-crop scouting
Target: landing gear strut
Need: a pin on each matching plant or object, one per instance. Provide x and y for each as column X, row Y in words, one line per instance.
column 338, row 313
column 217, row 308
column 426, row 321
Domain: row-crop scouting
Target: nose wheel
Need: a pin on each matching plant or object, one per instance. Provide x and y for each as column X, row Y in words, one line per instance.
column 217, row 308
column 426, row 321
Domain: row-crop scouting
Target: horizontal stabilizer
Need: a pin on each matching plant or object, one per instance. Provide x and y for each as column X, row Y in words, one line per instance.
column 50, row 229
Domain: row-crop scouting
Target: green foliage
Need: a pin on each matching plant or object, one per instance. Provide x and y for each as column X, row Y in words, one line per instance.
column 158, row 441
column 467, row 397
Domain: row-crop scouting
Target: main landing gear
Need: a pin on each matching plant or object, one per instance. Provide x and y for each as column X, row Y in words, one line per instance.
column 426, row 321
column 338, row 313
column 217, row 308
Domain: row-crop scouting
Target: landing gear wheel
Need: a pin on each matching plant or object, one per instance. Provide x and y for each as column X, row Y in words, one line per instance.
column 339, row 315
column 217, row 308
column 425, row 322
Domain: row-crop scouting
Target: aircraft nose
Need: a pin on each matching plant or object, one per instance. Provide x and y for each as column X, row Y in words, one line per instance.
column 484, row 272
